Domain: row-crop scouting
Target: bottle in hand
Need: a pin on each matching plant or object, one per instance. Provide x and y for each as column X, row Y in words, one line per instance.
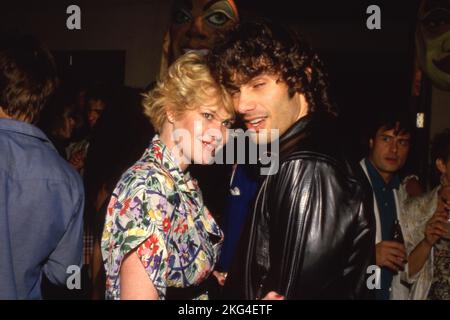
column 397, row 234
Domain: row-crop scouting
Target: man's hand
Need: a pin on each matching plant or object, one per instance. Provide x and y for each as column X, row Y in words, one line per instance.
column 391, row 254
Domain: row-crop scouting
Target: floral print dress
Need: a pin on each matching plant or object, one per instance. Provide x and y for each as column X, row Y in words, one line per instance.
column 158, row 210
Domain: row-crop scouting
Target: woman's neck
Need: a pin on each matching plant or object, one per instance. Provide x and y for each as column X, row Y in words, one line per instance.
column 166, row 137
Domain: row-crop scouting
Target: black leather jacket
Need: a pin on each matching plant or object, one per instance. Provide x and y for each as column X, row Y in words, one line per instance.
column 311, row 234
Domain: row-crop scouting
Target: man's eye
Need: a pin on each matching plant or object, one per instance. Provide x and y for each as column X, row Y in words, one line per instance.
column 181, row 16
column 207, row 115
column 217, row 19
column 228, row 123
column 259, row 85
column 404, row 143
column 386, row 139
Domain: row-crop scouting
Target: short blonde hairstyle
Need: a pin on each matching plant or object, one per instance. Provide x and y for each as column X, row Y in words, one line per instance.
column 187, row 85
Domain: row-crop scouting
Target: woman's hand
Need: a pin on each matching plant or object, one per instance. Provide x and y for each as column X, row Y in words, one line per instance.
column 436, row 227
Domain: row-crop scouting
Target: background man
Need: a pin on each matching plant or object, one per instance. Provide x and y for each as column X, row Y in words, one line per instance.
column 389, row 146
column 41, row 196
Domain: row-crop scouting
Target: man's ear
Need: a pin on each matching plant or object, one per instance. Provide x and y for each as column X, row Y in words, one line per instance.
column 309, row 73
column 303, row 105
column 440, row 165
column 370, row 143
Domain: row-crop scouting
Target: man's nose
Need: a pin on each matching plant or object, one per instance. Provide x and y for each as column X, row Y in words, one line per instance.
column 244, row 103
column 394, row 147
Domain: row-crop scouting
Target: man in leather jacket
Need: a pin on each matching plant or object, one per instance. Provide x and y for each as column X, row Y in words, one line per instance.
column 311, row 232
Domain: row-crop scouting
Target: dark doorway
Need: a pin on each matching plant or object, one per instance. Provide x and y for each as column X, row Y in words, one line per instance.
column 91, row 67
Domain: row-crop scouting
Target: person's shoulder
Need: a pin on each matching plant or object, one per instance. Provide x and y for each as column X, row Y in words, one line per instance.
column 422, row 204
column 145, row 176
column 314, row 160
column 36, row 159
column 337, row 173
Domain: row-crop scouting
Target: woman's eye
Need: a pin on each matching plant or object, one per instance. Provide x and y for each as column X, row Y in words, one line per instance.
column 207, row 115
column 181, row 16
column 217, row 19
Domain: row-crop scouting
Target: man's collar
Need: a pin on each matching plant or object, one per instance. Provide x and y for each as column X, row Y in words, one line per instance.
column 394, row 183
column 22, row 128
column 318, row 124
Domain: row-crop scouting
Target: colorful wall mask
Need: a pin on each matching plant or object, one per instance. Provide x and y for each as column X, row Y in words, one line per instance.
column 433, row 41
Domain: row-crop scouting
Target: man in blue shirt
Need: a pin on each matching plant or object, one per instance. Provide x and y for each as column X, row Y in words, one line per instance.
column 41, row 196
column 389, row 148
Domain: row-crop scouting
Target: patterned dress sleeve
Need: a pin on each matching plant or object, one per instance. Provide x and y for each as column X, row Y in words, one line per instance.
column 139, row 216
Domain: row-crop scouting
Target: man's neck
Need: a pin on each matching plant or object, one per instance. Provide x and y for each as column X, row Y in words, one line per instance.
column 21, row 117
column 386, row 176
column 3, row 115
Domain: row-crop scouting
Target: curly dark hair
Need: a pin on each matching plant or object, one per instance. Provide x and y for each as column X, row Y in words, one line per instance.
column 440, row 146
column 260, row 46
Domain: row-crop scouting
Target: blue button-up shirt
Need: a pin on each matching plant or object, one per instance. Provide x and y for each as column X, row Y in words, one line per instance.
column 41, row 205
column 243, row 191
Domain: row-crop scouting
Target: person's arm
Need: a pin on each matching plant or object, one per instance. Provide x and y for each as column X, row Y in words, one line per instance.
column 135, row 283
column 434, row 230
column 69, row 251
column 138, row 276
column 97, row 272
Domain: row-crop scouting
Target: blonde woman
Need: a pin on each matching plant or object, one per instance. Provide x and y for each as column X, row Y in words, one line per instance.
column 159, row 240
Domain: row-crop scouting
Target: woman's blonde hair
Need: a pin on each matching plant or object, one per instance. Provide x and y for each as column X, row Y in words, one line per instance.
column 187, row 85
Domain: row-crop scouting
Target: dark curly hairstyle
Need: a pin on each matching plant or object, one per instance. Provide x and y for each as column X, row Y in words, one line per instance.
column 260, row 46
column 440, row 146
